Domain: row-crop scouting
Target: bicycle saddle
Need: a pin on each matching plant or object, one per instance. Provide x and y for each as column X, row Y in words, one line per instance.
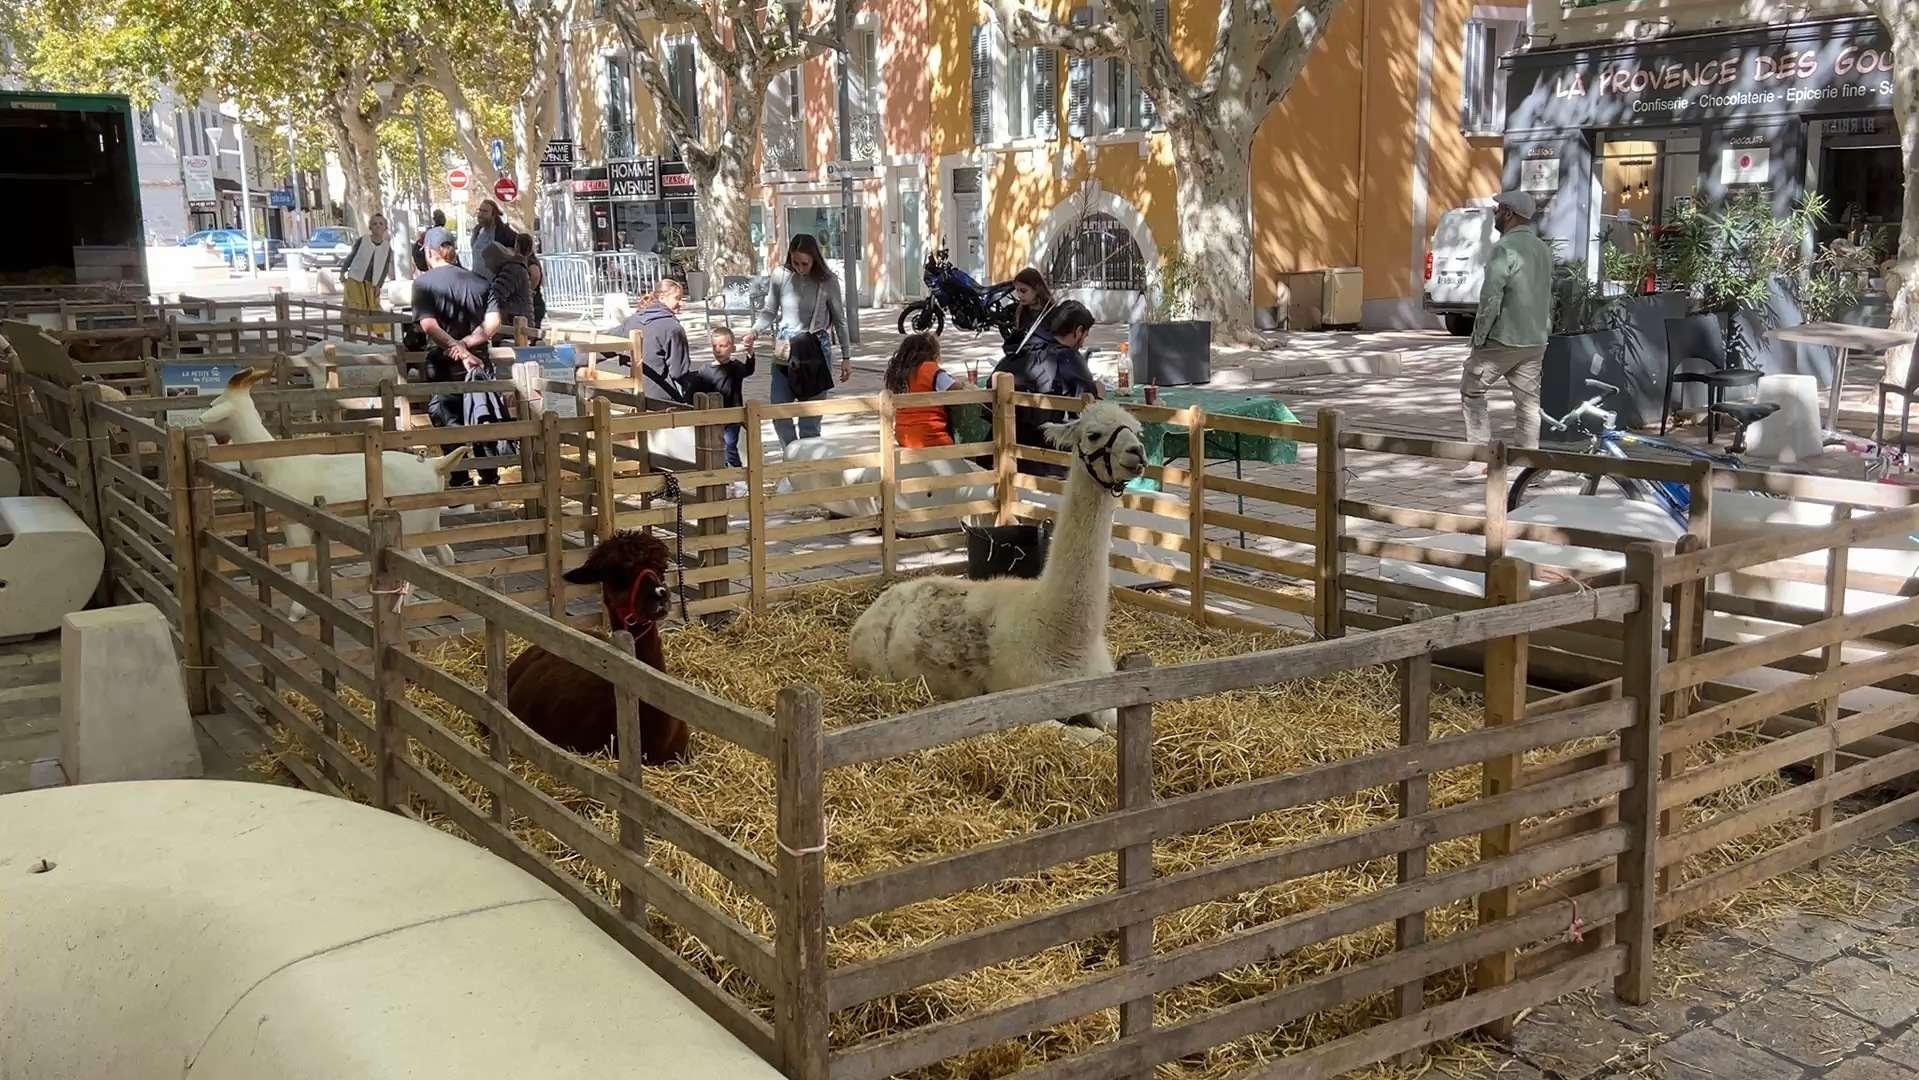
column 1745, row 413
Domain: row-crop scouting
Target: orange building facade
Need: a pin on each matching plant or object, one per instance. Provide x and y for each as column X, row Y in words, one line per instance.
column 1012, row 157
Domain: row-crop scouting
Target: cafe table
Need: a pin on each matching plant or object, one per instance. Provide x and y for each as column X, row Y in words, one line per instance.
column 1844, row 339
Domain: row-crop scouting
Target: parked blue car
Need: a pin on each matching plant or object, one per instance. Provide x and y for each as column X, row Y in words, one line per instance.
column 231, row 243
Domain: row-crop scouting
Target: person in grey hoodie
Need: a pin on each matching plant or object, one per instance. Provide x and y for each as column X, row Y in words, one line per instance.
column 664, row 357
column 802, row 297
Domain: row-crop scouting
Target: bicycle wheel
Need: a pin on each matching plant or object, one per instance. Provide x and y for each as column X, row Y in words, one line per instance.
column 1534, row 483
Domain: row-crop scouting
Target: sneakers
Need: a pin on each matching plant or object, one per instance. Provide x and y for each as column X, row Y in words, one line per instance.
column 1473, row 472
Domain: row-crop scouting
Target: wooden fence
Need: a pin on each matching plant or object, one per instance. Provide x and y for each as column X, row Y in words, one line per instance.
column 1591, row 778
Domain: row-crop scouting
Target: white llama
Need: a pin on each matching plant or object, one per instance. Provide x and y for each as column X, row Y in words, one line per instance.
column 976, row 637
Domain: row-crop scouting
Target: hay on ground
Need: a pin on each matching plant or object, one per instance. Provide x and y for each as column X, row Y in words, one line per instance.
column 892, row 813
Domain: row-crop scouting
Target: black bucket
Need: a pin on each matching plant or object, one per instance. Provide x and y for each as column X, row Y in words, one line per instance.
column 1006, row 551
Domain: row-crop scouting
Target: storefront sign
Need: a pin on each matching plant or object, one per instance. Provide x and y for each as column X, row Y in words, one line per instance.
column 1843, row 66
column 1745, row 165
column 676, row 180
column 197, row 171
column 635, row 180
column 282, row 198
column 195, row 380
column 1539, row 175
column 558, row 155
column 591, row 187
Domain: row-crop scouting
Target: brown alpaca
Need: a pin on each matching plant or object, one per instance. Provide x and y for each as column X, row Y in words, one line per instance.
column 574, row 709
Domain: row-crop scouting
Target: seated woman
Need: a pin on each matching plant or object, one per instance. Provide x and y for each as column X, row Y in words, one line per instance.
column 915, row 369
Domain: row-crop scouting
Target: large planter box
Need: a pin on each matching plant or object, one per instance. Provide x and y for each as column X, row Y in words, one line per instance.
column 1632, row 357
column 696, row 285
column 1571, row 359
column 1171, row 353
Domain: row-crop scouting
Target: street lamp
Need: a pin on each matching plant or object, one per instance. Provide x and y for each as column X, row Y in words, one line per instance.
column 214, row 131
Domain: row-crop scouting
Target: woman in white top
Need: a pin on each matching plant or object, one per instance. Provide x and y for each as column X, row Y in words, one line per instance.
column 802, row 297
column 368, row 266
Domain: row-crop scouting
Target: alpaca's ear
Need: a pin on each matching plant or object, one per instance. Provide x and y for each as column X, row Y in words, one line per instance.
column 1061, row 436
column 585, row 574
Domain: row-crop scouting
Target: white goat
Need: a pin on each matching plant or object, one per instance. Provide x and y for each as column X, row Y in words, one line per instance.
column 968, row 638
column 339, row 478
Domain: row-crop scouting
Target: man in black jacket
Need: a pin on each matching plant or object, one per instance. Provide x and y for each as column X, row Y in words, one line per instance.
column 1051, row 363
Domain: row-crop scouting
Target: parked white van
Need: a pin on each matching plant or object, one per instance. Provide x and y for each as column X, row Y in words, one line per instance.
column 1456, row 265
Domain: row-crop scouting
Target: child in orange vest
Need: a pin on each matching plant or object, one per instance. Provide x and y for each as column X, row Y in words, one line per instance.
column 915, row 369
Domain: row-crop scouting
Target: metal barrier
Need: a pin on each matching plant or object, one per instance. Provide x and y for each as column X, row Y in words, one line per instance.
column 575, row 281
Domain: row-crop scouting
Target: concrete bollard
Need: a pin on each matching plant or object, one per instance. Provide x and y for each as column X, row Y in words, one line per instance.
column 123, row 704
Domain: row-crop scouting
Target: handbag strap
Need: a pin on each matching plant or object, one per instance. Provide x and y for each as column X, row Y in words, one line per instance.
column 1035, row 326
column 819, row 302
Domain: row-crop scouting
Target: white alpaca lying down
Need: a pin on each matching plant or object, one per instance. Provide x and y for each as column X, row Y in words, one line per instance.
column 339, row 478
column 967, row 638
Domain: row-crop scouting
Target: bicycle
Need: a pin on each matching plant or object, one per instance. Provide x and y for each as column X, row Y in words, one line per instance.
column 1606, row 439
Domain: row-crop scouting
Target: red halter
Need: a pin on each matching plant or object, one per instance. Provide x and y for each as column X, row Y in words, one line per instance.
column 627, row 616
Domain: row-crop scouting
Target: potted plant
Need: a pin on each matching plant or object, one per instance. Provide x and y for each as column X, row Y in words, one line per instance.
column 1590, row 340
column 683, row 262
column 1172, row 348
column 1749, row 265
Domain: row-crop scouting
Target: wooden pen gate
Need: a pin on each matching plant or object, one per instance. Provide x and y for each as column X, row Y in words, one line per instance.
column 1580, row 840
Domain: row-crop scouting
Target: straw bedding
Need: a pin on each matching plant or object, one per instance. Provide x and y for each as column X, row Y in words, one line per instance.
column 972, row 793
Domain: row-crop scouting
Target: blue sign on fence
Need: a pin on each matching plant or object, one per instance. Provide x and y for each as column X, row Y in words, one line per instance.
column 192, row 380
column 281, row 199
column 556, row 361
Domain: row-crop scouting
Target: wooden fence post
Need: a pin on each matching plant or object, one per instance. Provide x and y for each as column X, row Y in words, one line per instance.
column 186, row 561
column 710, row 455
column 496, row 746
column 1510, row 582
column 1639, row 745
column 800, row 1016
column 1827, row 763
column 389, row 632
column 1005, row 442
column 263, row 550
column 1329, row 529
column 605, row 465
column 87, row 478
column 17, row 400
column 553, row 504
column 1415, row 729
column 1135, row 789
column 889, row 486
column 626, row 710
column 1687, row 601
column 1497, row 487
column 754, row 455
column 329, row 682
column 283, row 382
column 389, row 407
column 1196, row 512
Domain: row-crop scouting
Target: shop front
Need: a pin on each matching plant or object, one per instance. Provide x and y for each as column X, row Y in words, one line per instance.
column 1614, row 139
column 640, row 204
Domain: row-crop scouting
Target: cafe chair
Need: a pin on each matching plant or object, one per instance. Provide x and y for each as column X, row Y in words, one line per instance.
column 1700, row 340
column 1901, row 380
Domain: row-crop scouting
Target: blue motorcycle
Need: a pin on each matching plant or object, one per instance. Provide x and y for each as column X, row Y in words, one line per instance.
column 952, row 293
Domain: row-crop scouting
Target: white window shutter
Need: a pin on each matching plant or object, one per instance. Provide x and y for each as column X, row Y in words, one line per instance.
column 982, row 84
column 1079, row 84
column 1046, row 93
column 1149, row 116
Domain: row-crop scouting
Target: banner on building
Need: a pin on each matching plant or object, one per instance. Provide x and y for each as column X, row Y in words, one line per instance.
column 196, row 380
column 558, row 155
column 633, row 180
column 197, row 171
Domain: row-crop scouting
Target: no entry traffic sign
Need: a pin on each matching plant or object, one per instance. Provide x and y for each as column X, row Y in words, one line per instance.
column 456, row 179
column 505, row 189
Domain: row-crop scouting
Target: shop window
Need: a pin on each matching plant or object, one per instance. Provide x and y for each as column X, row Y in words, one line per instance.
column 1482, row 108
column 618, row 110
column 982, row 63
column 682, row 74
column 756, row 227
column 826, row 225
column 1099, row 253
column 863, row 68
column 783, row 126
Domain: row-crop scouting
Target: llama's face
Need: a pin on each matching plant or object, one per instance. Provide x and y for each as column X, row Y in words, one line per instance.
column 631, row 570
column 222, row 418
column 1105, row 440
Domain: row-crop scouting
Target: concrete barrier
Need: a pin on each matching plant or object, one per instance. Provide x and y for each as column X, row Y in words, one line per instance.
column 50, row 563
column 123, row 704
column 230, row 931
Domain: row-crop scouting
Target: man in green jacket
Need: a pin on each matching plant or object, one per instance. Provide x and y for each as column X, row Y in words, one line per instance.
column 1509, row 332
